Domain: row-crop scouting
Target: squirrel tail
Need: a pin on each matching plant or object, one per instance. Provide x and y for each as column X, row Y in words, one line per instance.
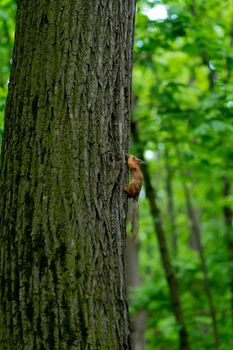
column 134, row 216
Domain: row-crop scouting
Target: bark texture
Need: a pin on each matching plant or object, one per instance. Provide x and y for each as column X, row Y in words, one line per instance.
column 63, row 212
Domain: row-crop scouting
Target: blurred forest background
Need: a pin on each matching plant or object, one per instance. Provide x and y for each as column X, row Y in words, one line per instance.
column 182, row 126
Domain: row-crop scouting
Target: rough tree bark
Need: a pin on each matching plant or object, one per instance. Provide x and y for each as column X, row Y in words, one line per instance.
column 63, row 212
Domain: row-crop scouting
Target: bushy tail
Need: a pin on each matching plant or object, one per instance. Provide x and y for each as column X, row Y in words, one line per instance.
column 134, row 216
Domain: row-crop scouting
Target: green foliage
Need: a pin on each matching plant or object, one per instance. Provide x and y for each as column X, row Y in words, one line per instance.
column 183, row 104
column 7, row 28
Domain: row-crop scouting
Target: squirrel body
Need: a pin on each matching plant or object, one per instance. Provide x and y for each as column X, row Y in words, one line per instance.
column 135, row 185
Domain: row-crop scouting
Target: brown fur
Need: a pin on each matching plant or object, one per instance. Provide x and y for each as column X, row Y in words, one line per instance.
column 134, row 187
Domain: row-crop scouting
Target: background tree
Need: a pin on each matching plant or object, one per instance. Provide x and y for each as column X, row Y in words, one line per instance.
column 62, row 208
column 183, row 87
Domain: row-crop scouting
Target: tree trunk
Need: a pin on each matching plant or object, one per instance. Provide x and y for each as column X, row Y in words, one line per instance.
column 170, row 204
column 228, row 219
column 196, row 234
column 137, row 321
column 63, row 212
column 173, row 283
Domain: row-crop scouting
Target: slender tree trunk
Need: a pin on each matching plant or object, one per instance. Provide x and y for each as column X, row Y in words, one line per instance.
column 173, row 283
column 63, row 212
column 204, row 55
column 228, row 218
column 170, row 204
column 227, row 210
column 193, row 219
column 194, row 237
column 196, row 234
column 138, row 321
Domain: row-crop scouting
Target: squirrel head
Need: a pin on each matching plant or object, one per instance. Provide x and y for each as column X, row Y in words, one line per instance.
column 133, row 162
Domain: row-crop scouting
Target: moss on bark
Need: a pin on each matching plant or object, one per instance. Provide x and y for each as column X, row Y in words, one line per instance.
column 63, row 212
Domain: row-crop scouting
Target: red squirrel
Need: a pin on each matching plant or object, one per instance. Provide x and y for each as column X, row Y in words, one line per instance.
column 134, row 187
